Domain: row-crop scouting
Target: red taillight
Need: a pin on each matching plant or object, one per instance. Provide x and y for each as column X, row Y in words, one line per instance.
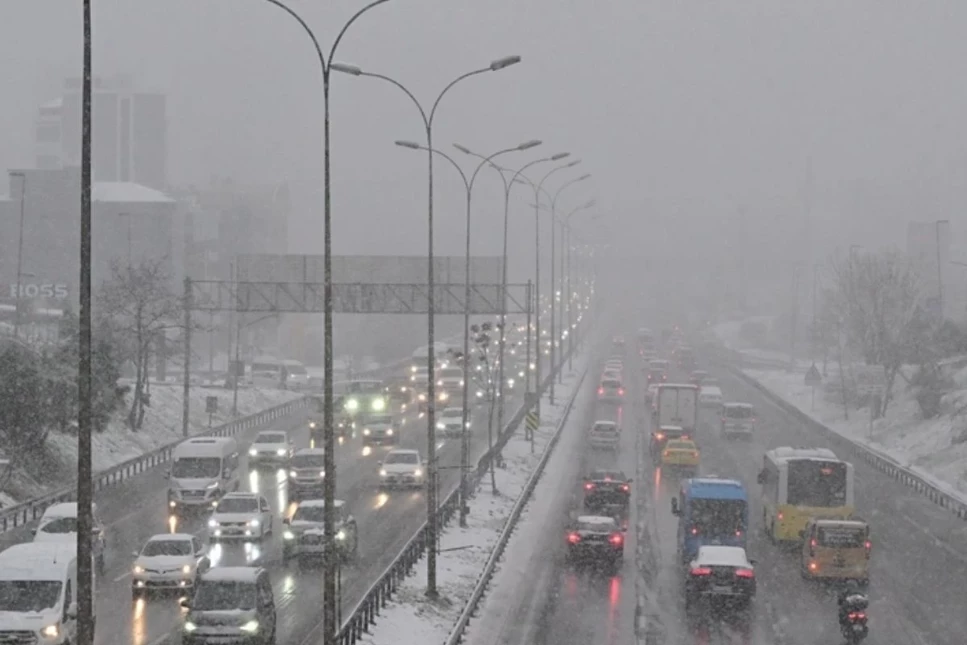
column 621, row 392
column 695, row 454
column 573, row 538
column 812, row 548
column 857, row 615
column 868, row 545
column 589, row 486
column 738, row 534
column 625, row 487
column 685, row 437
column 744, row 573
column 617, row 539
column 701, row 571
column 779, row 516
column 666, row 453
column 600, row 390
column 694, row 531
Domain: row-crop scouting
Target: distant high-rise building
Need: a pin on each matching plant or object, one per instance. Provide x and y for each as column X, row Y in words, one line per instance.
column 129, row 132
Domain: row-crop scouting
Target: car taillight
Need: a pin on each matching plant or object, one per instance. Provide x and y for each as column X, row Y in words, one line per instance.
column 869, row 547
column 600, row 390
column 621, row 391
column 625, row 487
column 779, row 516
column 617, row 539
column 744, row 573
column 694, row 531
column 666, row 453
column 573, row 538
column 685, row 437
column 738, row 534
column 812, row 548
column 659, row 435
column 701, row 571
column 589, row 486
column 695, row 454
column 857, row 615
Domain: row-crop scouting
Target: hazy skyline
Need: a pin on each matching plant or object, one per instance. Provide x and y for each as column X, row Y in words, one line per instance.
column 691, row 110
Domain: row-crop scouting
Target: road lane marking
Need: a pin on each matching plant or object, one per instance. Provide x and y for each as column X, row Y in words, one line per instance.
column 122, row 576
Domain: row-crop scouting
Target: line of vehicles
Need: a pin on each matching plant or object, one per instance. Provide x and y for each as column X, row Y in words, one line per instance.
column 807, row 498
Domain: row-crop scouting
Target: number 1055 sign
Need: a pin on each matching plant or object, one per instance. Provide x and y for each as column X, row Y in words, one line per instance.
column 47, row 290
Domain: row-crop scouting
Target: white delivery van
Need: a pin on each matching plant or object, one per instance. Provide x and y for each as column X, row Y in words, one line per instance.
column 203, row 469
column 296, row 375
column 38, row 593
column 710, row 396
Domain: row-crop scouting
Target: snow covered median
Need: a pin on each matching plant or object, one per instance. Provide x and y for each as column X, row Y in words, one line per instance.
column 464, row 552
column 118, row 443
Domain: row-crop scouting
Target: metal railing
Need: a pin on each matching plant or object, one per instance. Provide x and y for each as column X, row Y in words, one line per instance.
column 30, row 511
column 364, row 614
column 858, row 451
column 456, row 634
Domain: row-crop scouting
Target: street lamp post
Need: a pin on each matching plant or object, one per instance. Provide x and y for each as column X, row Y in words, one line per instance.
column 553, row 259
column 468, row 185
column 330, row 625
column 431, row 501
column 567, row 282
column 939, row 266
column 20, row 250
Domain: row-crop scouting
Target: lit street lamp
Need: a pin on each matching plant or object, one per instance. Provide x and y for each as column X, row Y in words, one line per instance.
column 431, row 484
column 468, row 184
column 569, row 297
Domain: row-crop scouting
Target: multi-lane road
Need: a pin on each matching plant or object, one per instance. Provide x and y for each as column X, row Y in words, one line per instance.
column 918, row 565
column 137, row 509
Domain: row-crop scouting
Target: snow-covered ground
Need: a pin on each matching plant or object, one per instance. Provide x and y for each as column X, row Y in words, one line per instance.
column 932, row 448
column 117, row 443
column 465, row 551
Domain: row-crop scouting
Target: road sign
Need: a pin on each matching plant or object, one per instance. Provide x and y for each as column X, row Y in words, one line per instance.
column 211, row 404
column 533, row 421
column 813, row 377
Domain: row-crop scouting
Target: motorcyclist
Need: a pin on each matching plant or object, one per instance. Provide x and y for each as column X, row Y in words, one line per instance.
column 850, row 600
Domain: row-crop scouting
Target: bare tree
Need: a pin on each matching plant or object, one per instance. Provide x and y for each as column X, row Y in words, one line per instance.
column 878, row 297
column 140, row 305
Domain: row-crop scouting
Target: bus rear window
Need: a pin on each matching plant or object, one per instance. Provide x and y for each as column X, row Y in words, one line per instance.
column 819, row 484
column 738, row 413
column 712, row 517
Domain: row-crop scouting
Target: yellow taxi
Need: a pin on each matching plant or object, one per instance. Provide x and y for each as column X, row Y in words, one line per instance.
column 836, row 549
column 682, row 454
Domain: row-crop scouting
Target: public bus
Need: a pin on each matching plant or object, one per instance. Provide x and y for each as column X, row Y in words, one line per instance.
column 800, row 483
column 710, row 511
column 360, row 398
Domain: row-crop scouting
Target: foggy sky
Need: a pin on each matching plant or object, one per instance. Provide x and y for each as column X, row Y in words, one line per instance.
column 686, row 113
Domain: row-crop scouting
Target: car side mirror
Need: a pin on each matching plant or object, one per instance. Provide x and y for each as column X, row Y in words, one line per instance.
column 675, row 509
column 72, row 610
column 185, row 603
column 761, row 477
column 753, row 561
column 33, row 532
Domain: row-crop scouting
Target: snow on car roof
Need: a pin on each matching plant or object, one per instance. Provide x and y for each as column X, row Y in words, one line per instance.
column 726, row 556
column 36, row 560
column 320, row 503
column 602, row 422
column 403, row 451
column 231, row 574
column 240, row 495
column 310, row 451
column 739, row 405
column 170, row 537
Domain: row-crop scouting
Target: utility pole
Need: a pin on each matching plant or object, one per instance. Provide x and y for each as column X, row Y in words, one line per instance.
column 186, row 392
column 20, row 251
column 85, row 416
column 940, row 267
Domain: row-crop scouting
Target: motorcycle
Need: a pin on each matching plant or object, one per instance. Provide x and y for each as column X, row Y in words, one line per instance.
column 853, row 619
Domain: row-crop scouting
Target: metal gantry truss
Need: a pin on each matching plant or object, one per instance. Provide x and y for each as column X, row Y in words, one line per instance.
column 355, row 298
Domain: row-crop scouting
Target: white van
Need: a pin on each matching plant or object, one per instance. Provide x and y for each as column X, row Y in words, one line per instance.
column 38, row 593
column 266, row 372
column 710, row 396
column 296, row 375
column 203, row 469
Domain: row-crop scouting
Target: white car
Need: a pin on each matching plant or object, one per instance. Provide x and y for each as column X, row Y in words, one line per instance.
column 450, row 420
column 59, row 524
column 270, row 446
column 604, row 434
column 710, row 396
column 168, row 561
column 240, row 516
column 401, row 469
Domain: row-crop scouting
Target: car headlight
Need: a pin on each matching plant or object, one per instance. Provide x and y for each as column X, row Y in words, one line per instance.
column 413, row 377
column 322, row 473
column 253, row 523
column 366, row 431
column 250, row 627
column 389, row 432
column 417, row 473
column 137, row 569
column 212, row 486
column 443, row 396
column 190, row 626
column 212, row 523
column 439, row 383
column 280, row 452
column 186, row 569
column 441, row 426
column 510, row 382
column 341, row 535
column 51, row 631
column 288, row 535
column 352, row 405
column 413, row 368
column 252, row 452
column 382, row 472
column 312, row 424
column 480, row 394
column 422, row 397
column 293, row 473
column 379, row 405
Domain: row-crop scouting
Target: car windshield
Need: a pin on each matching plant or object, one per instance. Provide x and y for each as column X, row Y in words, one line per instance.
column 717, row 517
column 29, row 595
column 196, row 468
column 166, row 547
column 271, row 437
column 604, row 428
column 310, row 514
column 366, row 387
column 298, row 370
column 60, row 525
column 402, row 458
column 597, row 527
column 738, row 413
column 308, row 461
column 223, row 596
column 238, row 505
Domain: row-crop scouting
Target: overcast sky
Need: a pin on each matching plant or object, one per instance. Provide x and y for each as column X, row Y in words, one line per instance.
column 685, row 112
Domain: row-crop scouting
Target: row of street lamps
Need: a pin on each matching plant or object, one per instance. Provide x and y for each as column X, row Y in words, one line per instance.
column 327, row 66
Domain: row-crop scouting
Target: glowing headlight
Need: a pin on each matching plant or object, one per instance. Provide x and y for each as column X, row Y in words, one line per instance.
column 186, row 569
column 382, row 472
column 252, row 452
column 417, row 473
column 251, row 626
column 280, row 452
column 341, row 535
column 413, row 377
column 293, row 473
column 439, row 383
column 441, row 426
column 520, row 374
column 480, row 394
column 137, row 569
column 510, row 382
column 212, row 523
column 379, row 405
column 533, row 366
column 312, row 424
column 443, row 396
column 50, row 631
column 389, row 432
column 352, row 405
column 413, row 368
column 288, row 535
column 190, row 626
column 253, row 523
column 461, row 383
column 422, row 397
column 365, row 432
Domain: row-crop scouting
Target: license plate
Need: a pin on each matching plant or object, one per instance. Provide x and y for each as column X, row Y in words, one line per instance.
column 721, row 589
